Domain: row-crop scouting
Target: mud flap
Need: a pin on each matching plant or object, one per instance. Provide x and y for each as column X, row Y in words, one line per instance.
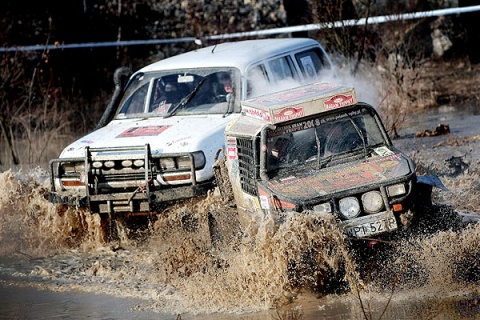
column 221, row 177
column 424, row 189
column 433, row 181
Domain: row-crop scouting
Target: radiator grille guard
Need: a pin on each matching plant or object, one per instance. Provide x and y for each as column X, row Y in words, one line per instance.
column 123, row 180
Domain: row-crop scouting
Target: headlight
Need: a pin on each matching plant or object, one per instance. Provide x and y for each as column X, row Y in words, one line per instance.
column 323, row 207
column 167, row 163
column 396, row 190
column 372, row 201
column 183, row 162
column 199, row 159
column 80, row 166
column 72, row 167
column 68, row 167
column 349, row 207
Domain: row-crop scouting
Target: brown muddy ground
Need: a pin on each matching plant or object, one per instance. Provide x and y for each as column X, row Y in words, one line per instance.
column 455, row 82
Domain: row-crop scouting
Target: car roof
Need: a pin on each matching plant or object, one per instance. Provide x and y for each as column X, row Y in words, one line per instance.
column 239, row 54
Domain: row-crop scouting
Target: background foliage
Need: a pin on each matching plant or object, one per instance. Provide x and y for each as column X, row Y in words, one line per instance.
column 51, row 97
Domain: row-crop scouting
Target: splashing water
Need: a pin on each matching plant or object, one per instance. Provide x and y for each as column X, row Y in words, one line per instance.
column 196, row 258
column 30, row 225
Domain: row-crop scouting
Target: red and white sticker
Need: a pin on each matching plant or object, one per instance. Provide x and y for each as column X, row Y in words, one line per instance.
column 255, row 113
column 289, row 114
column 232, row 148
column 143, row 131
column 232, row 153
column 339, row 101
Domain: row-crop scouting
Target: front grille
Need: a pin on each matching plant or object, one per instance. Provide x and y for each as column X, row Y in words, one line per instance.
column 248, row 171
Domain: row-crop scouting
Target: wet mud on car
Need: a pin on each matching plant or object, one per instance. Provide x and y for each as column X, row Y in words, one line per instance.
column 315, row 148
column 156, row 142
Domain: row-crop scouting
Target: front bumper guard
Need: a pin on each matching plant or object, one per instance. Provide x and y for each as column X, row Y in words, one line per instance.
column 145, row 199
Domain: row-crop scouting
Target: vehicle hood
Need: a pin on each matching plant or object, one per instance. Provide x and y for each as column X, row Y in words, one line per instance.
column 341, row 177
column 165, row 135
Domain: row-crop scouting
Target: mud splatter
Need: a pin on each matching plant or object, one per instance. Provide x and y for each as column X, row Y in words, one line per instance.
column 196, row 259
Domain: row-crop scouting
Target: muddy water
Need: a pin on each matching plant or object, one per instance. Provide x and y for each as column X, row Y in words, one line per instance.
column 54, row 262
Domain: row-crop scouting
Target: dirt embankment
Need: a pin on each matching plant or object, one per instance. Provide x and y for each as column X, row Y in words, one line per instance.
column 454, row 82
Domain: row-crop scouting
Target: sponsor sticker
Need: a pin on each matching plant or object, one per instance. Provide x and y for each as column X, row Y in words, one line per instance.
column 232, row 148
column 255, row 113
column 182, row 141
column 143, row 131
column 383, row 151
column 232, row 153
column 289, row 114
column 264, row 203
column 338, row 101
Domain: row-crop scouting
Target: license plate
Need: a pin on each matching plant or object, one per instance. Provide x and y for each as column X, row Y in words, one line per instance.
column 371, row 225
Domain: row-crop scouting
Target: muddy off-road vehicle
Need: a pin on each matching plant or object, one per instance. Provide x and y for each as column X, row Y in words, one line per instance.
column 157, row 139
column 317, row 148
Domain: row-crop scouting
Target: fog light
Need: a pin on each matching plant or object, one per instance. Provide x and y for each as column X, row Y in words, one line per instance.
column 349, row 207
column 97, row 164
column 372, row 201
column 139, row 163
column 323, row 207
column 127, row 163
column 396, row 190
column 109, row 164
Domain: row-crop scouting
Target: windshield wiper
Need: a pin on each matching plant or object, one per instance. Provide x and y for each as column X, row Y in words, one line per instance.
column 323, row 162
column 360, row 134
column 186, row 99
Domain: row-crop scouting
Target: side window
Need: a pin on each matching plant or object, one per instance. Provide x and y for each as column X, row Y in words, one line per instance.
column 282, row 68
column 257, row 81
column 311, row 62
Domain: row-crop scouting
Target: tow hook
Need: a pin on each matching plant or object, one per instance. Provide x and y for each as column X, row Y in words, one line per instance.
column 139, row 189
column 372, row 244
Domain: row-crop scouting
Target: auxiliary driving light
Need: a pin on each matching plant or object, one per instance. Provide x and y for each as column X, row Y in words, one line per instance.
column 349, row 207
column 396, row 190
column 126, row 163
column 97, row 164
column 109, row 164
column 372, row 201
column 323, row 207
column 139, row 163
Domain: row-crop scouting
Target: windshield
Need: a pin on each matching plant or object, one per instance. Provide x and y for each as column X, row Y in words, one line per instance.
column 320, row 140
column 181, row 92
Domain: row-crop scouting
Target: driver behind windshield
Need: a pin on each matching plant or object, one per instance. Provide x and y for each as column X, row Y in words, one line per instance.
column 165, row 96
column 279, row 153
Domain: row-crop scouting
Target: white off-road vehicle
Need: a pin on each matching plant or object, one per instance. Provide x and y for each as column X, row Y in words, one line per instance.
column 157, row 140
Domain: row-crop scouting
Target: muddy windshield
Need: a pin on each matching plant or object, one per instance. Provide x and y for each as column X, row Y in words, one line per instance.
column 322, row 141
column 181, row 92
